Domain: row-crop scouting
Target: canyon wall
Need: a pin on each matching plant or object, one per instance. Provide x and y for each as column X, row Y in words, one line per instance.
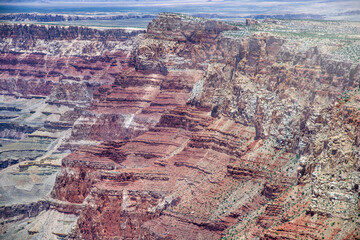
column 34, row 57
column 204, row 136
column 49, row 78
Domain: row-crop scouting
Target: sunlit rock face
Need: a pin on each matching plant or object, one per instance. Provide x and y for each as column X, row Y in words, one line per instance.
column 189, row 134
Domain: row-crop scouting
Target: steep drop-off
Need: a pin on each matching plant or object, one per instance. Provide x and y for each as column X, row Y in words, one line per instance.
column 204, row 135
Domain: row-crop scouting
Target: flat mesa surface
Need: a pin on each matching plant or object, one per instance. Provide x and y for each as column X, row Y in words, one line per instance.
column 338, row 38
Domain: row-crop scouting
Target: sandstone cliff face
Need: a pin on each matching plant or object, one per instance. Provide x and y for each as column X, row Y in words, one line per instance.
column 275, row 90
column 45, row 88
column 333, row 166
column 31, row 32
column 54, row 62
column 174, row 42
column 205, row 136
column 35, row 57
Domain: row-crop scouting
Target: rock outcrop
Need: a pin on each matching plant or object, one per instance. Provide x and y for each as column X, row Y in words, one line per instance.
column 35, row 57
column 38, row 17
column 203, row 136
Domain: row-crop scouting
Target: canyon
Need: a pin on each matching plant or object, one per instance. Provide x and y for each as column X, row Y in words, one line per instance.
column 192, row 129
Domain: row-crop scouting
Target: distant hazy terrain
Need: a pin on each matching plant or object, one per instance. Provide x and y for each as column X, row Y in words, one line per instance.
column 138, row 13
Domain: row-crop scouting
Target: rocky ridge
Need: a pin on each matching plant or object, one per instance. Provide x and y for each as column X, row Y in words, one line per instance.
column 38, row 17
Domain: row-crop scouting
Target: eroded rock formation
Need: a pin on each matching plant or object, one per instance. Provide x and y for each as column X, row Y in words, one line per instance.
column 203, row 136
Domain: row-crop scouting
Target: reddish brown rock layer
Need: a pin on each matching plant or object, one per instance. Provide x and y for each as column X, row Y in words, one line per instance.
column 36, row 74
column 35, row 57
column 157, row 163
column 243, row 157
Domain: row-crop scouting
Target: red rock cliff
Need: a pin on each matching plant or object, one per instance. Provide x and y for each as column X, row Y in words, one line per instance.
column 206, row 136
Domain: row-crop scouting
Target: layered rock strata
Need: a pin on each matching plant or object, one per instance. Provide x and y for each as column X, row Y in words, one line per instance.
column 35, row 57
column 229, row 160
column 37, row 114
column 206, row 136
